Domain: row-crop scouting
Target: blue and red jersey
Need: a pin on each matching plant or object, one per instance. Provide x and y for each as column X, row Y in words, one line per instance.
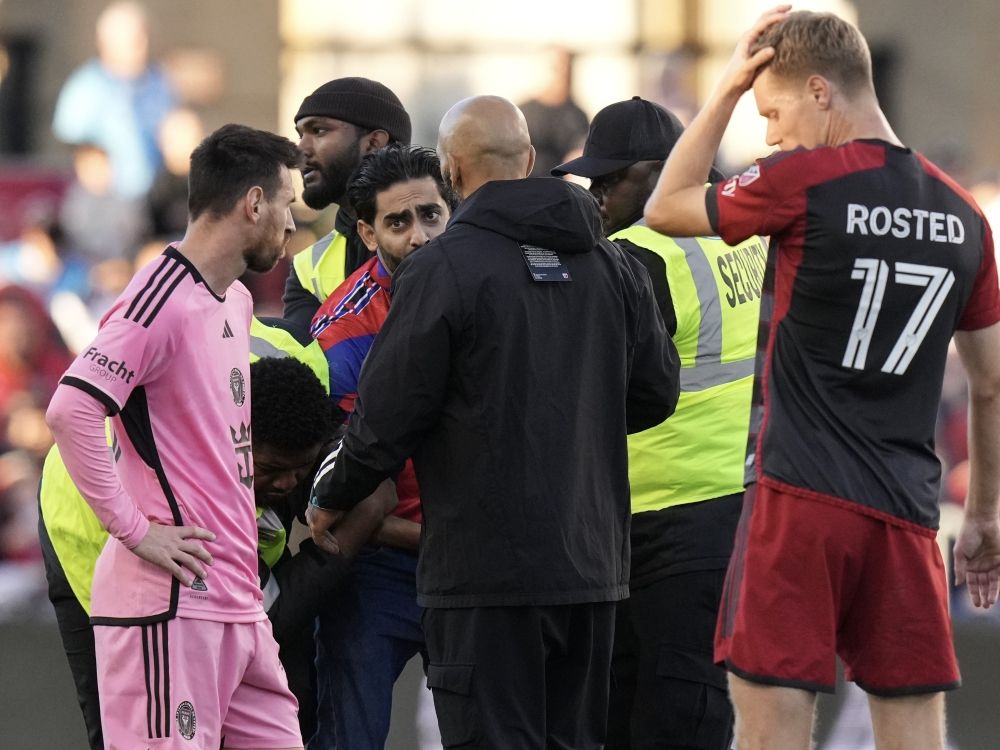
column 345, row 327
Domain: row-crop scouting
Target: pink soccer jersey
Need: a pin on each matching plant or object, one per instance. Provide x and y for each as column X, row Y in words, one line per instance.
column 171, row 364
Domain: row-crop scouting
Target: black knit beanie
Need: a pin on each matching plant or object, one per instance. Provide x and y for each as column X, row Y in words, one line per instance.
column 359, row 101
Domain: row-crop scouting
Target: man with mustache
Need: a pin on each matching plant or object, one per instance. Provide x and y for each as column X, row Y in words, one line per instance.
column 372, row 628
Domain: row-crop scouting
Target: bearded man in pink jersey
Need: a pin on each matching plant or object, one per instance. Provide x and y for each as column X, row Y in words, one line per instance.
column 185, row 655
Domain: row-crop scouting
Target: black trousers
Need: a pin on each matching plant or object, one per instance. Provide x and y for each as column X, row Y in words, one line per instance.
column 666, row 692
column 77, row 637
column 521, row 678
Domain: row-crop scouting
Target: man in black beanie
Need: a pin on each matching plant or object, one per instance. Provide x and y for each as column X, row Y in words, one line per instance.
column 338, row 123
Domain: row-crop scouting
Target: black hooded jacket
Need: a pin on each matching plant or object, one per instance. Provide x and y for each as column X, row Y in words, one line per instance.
column 513, row 396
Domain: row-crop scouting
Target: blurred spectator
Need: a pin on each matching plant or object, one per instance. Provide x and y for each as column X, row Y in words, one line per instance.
column 986, row 191
column 99, row 222
column 180, row 132
column 32, row 359
column 18, row 509
column 556, row 123
column 32, row 353
column 118, row 99
column 36, row 260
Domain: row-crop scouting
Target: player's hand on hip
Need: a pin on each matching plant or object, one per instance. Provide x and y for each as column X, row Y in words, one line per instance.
column 320, row 522
column 177, row 550
column 977, row 560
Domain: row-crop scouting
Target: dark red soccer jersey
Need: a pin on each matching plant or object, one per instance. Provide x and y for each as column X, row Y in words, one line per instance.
column 876, row 258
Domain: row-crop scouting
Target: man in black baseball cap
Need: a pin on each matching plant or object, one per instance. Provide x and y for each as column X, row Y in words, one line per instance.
column 686, row 474
column 338, row 124
column 625, row 148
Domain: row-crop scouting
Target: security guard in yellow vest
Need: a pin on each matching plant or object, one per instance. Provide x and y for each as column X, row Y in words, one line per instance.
column 686, row 474
column 338, row 123
column 72, row 537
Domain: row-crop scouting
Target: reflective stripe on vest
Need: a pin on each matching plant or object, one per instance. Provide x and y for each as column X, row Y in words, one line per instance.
column 697, row 454
column 709, row 370
column 271, row 592
column 320, row 267
column 268, row 341
column 271, row 537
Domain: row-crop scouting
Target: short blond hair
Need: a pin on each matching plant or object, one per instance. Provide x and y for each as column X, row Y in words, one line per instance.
column 808, row 43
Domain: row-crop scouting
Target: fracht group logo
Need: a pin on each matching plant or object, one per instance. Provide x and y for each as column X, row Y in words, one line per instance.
column 109, row 369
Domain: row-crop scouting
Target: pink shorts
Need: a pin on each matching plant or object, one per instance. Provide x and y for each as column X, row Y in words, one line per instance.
column 193, row 684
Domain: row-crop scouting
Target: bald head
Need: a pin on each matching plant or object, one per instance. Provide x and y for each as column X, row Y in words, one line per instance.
column 483, row 138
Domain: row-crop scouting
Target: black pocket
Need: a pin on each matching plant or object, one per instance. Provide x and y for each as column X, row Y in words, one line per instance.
column 699, row 713
column 458, row 717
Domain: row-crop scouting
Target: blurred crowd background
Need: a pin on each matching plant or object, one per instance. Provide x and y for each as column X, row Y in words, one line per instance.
column 101, row 105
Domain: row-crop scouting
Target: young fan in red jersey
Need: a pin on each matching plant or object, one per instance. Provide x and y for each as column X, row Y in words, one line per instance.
column 877, row 258
column 368, row 632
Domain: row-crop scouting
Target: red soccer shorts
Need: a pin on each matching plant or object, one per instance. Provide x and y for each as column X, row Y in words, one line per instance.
column 813, row 577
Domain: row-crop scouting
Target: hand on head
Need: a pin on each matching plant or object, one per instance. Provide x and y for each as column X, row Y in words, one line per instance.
column 743, row 66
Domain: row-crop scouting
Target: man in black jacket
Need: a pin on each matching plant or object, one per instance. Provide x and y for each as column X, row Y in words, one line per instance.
column 520, row 348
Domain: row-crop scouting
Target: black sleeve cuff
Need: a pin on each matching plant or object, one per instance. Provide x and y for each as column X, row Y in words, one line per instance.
column 92, row 390
column 712, row 207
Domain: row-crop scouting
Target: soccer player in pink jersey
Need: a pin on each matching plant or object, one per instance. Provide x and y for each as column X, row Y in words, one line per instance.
column 185, row 655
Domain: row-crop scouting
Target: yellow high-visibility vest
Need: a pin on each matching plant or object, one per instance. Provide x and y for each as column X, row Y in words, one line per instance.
column 268, row 341
column 76, row 535
column 320, row 267
column 698, row 453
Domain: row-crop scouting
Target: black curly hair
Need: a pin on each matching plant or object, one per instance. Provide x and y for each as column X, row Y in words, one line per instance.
column 290, row 409
column 380, row 170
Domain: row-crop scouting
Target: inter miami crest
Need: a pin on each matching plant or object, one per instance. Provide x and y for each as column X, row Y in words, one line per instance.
column 238, row 386
column 187, row 722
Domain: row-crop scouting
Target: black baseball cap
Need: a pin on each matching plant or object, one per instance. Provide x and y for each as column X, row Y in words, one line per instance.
column 623, row 134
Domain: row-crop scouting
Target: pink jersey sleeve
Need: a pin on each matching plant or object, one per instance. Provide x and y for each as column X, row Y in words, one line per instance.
column 125, row 354
column 77, row 421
